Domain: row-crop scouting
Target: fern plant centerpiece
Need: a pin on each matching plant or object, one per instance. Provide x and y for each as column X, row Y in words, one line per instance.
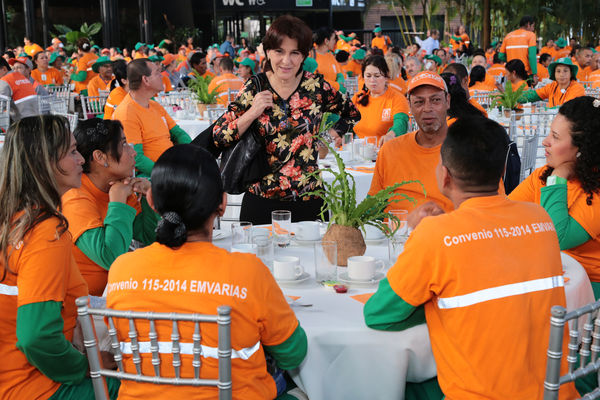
column 509, row 100
column 199, row 88
column 347, row 217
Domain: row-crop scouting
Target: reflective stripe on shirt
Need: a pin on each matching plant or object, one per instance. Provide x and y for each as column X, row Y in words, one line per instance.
column 188, row 348
column 500, row 292
column 25, row 98
column 520, row 46
column 9, row 290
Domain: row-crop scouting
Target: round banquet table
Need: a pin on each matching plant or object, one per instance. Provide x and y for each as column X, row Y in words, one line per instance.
column 348, row 360
column 193, row 127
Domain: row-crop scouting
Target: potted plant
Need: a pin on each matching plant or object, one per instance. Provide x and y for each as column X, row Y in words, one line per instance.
column 509, row 100
column 347, row 217
column 199, row 88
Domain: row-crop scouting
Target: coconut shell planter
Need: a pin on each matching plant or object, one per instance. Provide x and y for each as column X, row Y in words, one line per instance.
column 350, row 242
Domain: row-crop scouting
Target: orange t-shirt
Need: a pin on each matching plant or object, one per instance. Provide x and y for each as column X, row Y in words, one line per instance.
column 85, row 208
column 595, row 77
column 377, row 117
column 84, row 63
column 198, row 277
column 564, row 52
column 225, row 83
column 548, row 50
column 343, row 45
column 516, row 46
column 588, row 254
column 43, row 270
column 148, row 126
column 353, row 66
column 555, row 97
column 399, row 84
column 583, row 73
column 488, row 274
column 195, row 74
column 381, row 42
column 166, row 81
column 51, row 77
column 403, row 159
column 542, row 72
column 115, row 98
column 328, row 67
column 481, row 87
column 32, row 49
column 97, row 84
column 496, row 70
column 478, row 106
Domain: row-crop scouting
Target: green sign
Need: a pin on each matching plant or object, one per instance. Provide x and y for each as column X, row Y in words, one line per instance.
column 304, row 3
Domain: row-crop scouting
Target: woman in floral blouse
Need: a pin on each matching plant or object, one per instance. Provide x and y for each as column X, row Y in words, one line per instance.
column 289, row 108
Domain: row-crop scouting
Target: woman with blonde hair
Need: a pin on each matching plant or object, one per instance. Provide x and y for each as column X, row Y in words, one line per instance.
column 39, row 279
column 394, row 62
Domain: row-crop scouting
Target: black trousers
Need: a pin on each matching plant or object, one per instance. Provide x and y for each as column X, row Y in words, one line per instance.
column 257, row 209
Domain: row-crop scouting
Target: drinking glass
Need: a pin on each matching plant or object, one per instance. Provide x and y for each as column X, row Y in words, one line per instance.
column 281, row 220
column 264, row 249
column 348, row 139
column 241, row 233
column 370, row 148
column 325, row 261
column 397, row 240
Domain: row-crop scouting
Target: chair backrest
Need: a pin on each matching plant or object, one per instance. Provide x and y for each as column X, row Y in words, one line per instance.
column 92, row 105
column 584, row 348
column 59, row 91
column 593, row 91
column 231, row 95
column 351, row 84
column 484, row 98
column 174, row 346
column 214, row 112
column 528, row 155
column 4, row 114
column 71, row 117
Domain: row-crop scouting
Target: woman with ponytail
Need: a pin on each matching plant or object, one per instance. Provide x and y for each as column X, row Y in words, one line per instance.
column 184, row 272
column 84, row 74
column 383, row 109
column 118, row 88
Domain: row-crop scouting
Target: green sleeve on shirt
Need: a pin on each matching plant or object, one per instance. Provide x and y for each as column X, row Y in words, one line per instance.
column 144, row 224
column 570, row 232
column 40, row 337
column 290, row 353
column 179, row 135
column 529, row 96
column 80, row 76
column 502, row 56
column 104, row 244
column 456, row 38
column 400, row 124
column 142, row 163
column 532, row 57
column 386, row 311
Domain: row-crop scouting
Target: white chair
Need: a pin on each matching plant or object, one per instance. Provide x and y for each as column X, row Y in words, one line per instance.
column 72, row 118
column 584, row 348
column 4, row 114
column 61, row 92
column 528, row 156
column 594, row 92
column 214, row 112
column 351, row 84
column 97, row 373
column 231, row 95
column 92, row 106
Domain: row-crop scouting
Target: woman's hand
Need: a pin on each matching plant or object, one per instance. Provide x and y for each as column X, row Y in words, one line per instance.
column 262, row 101
column 141, row 186
column 565, row 170
column 120, row 190
column 386, row 138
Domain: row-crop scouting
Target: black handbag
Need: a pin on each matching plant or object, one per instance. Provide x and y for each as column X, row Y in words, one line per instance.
column 243, row 163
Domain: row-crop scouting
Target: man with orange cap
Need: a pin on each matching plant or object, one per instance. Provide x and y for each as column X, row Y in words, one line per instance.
column 15, row 86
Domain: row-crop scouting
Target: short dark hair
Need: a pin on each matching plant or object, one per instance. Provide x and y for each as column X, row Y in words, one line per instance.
column 197, row 58
column 526, row 20
column 98, row 134
column 477, row 75
column 119, row 68
column 4, row 63
column 474, row 152
column 342, row 56
column 136, row 70
column 322, row 34
column 517, row 67
column 226, row 63
column 376, row 51
column 186, row 189
column 544, row 57
column 292, row 27
column 497, row 59
column 457, row 69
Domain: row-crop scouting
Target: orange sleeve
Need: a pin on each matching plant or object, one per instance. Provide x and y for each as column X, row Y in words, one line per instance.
column 577, row 91
column 132, row 126
column 531, row 42
column 377, row 181
column 526, row 191
column 44, row 265
column 503, row 47
column 81, row 212
column 400, row 104
column 82, row 64
column 545, row 92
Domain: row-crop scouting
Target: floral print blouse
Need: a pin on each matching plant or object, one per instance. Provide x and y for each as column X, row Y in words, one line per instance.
column 288, row 128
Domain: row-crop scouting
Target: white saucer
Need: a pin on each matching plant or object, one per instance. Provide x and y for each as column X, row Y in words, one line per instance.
column 220, row 234
column 344, row 278
column 302, row 278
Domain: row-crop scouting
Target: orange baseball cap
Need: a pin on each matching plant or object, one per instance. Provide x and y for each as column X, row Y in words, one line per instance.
column 169, row 58
column 427, row 78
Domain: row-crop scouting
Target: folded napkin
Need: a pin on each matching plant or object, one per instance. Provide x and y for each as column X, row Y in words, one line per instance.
column 362, row 298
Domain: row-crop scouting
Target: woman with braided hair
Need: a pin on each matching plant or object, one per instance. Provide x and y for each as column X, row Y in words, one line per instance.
column 568, row 186
column 383, row 109
column 184, row 272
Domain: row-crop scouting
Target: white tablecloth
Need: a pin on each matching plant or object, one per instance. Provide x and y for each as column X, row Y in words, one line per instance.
column 348, row 360
column 193, row 127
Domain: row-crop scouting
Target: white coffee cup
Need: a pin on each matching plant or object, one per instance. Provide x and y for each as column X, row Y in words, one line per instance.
column 373, row 233
column 308, row 230
column 244, row 248
column 287, row 268
column 363, row 268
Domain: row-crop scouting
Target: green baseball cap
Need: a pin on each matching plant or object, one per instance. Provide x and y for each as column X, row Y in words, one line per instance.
column 54, row 57
column 96, row 47
column 359, row 54
column 563, row 61
column 100, row 61
column 138, row 45
column 156, row 58
column 248, row 63
column 561, row 42
column 377, row 30
column 435, row 58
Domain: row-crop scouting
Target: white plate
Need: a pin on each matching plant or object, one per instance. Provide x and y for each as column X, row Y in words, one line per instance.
column 344, row 278
column 220, row 234
column 301, row 279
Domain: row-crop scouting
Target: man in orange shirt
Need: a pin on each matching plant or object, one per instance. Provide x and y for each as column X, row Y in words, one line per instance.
column 594, row 76
column 225, row 82
column 17, row 88
column 549, row 48
column 354, row 66
column 101, row 82
column 497, row 68
column 380, row 41
column 199, row 66
column 413, row 156
column 481, row 273
column 561, row 49
column 146, row 124
column 479, row 59
column 521, row 44
column 583, row 59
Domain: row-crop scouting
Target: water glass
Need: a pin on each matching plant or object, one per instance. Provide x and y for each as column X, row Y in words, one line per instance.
column 325, row 261
column 347, row 142
column 281, row 220
column 264, row 249
column 241, row 233
column 370, row 148
column 397, row 240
